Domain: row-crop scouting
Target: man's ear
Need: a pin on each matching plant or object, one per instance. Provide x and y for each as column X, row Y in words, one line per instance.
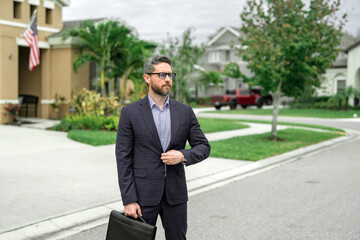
column 146, row 78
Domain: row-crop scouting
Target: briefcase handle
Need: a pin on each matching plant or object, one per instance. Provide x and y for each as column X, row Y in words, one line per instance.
column 140, row 217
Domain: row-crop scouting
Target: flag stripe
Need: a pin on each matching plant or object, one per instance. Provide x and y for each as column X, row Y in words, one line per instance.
column 31, row 37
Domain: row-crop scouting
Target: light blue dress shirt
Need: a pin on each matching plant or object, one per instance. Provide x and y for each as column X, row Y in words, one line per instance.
column 162, row 121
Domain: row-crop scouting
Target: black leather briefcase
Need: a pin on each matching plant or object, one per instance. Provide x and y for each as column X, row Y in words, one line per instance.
column 122, row 227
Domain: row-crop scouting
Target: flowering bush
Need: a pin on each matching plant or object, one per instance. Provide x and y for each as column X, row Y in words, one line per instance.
column 13, row 111
column 86, row 102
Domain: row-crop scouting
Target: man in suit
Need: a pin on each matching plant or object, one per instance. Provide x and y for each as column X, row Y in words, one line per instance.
column 151, row 154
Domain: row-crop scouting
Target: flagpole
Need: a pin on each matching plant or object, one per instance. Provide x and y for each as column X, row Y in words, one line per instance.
column 22, row 34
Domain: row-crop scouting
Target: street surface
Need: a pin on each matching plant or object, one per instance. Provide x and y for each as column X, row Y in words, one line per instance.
column 315, row 197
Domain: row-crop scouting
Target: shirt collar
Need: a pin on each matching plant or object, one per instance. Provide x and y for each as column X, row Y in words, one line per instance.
column 152, row 103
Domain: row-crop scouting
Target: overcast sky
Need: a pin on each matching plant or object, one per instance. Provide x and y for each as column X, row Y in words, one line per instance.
column 154, row 18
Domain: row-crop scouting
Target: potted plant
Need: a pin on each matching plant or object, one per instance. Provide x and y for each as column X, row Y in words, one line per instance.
column 55, row 106
column 13, row 111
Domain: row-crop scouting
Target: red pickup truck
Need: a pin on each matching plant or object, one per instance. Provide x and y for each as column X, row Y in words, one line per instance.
column 243, row 97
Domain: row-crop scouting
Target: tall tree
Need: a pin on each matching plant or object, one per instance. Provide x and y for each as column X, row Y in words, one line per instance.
column 210, row 77
column 96, row 42
column 232, row 70
column 128, row 59
column 184, row 55
column 114, row 47
column 288, row 45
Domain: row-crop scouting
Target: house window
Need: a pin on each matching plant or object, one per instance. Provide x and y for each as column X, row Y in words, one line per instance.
column 341, row 85
column 32, row 9
column 17, row 9
column 48, row 16
column 214, row 57
column 227, row 56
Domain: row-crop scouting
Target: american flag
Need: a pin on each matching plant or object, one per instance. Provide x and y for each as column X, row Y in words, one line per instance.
column 31, row 37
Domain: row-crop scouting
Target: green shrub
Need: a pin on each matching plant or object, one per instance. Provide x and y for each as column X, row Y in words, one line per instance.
column 86, row 102
column 88, row 122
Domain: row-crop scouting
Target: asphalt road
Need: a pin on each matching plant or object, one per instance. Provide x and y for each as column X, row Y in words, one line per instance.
column 315, row 197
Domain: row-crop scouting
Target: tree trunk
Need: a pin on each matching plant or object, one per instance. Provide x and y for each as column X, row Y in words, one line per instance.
column 197, row 92
column 103, row 90
column 111, row 87
column 275, row 112
column 177, row 89
column 123, row 80
column 347, row 103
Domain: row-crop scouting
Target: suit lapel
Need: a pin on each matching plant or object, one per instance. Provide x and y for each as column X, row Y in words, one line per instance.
column 175, row 118
column 146, row 114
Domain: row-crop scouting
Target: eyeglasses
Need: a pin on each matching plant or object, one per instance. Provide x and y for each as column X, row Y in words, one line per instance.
column 163, row 75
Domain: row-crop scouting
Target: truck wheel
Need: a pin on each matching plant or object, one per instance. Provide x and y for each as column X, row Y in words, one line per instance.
column 218, row 107
column 269, row 101
column 244, row 106
column 259, row 104
column 233, row 105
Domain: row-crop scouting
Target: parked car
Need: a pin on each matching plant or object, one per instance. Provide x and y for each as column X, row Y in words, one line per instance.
column 243, row 97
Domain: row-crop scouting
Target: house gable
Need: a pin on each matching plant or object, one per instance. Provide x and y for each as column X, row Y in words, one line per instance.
column 226, row 36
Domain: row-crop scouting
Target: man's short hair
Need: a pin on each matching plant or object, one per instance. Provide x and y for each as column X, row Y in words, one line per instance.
column 153, row 60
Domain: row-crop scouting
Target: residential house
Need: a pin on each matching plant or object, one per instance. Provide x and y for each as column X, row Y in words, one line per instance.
column 336, row 77
column 219, row 52
column 54, row 75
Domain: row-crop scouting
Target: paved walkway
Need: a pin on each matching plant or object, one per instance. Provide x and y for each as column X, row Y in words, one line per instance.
column 50, row 183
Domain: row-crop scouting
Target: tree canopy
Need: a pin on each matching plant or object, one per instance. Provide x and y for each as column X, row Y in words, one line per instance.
column 114, row 47
column 288, row 45
column 184, row 55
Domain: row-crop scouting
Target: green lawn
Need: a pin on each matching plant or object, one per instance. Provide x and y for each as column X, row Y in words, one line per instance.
column 209, row 125
column 251, row 148
column 291, row 124
column 256, row 147
column 98, row 137
column 316, row 113
column 95, row 138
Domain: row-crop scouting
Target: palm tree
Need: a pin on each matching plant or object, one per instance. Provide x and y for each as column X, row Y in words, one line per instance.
column 97, row 42
column 350, row 91
column 128, row 59
column 210, row 77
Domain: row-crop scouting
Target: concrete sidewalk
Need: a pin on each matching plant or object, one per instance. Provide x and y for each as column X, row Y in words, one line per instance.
column 49, row 183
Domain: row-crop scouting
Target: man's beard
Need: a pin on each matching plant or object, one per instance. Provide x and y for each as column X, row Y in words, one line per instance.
column 160, row 91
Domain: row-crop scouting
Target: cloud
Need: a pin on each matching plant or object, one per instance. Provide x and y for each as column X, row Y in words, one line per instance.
column 153, row 19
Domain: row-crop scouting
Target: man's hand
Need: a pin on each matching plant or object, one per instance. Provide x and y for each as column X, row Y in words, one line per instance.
column 132, row 209
column 172, row 157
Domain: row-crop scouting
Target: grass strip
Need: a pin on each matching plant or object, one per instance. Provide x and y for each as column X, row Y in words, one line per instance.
column 98, row 137
column 210, row 125
column 256, row 147
column 315, row 113
column 93, row 137
column 294, row 124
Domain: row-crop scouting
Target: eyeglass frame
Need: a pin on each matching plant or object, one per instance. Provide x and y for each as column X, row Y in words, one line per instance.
column 170, row 75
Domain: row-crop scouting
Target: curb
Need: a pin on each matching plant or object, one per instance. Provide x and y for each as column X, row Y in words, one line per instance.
column 70, row 224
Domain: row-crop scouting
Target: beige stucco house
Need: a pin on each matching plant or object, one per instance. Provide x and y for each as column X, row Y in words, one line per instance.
column 54, row 75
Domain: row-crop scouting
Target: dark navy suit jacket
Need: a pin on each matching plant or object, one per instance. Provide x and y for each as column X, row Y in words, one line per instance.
column 141, row 173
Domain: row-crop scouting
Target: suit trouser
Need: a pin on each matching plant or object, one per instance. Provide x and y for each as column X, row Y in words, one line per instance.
column 173, row 217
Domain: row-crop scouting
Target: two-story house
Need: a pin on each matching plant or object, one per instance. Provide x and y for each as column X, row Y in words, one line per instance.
column 54, row 75
column 219, row 52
